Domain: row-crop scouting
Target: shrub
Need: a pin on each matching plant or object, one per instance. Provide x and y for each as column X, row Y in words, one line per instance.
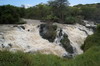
column 70, row 20
column 73, row 20
column 52, row 18
column 8, row 19
column 9, row 14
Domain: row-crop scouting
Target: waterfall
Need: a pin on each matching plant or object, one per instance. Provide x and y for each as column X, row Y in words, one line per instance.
column 76, row 34
column 28, row 38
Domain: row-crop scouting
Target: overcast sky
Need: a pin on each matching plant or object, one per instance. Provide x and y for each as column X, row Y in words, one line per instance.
column 34, row 2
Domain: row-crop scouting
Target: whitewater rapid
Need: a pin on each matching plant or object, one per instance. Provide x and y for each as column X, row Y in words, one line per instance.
column 76, row 34
column 26, row 38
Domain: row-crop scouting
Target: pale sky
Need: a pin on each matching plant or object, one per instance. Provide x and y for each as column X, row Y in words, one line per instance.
column 35, row 2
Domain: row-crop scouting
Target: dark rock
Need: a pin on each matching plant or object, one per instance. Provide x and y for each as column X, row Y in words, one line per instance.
column 2, row 46
column 22, row 27
column 28, row 47
column 19, row 27
column 15, row 26
column 84, row 31
column 28, row 30
column 38, row 26
column 69, row 56
column 91, row 27
column 66, row 44
column 10, row 45
column 60, row 33
column 48, row 32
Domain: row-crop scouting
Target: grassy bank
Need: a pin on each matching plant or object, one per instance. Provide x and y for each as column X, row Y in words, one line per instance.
column 89, row 58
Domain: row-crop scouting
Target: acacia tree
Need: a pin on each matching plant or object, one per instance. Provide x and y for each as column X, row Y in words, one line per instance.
column 59, row 7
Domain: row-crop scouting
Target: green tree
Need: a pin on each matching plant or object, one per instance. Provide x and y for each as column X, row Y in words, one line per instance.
column 38, row 12
column 88, row 12
column 9, row 14
column 59, row 7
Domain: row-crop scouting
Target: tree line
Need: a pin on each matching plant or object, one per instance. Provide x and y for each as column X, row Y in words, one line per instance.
column 54, row 11
column 11, row 14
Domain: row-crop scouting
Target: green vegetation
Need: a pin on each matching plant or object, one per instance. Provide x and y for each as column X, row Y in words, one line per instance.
column 90, row 11
column 54, row 11
column 58, row 8
column 92, row 40
column 11, row 15
column 51, row 18
column 39, row 11
column 64, row 13
column 89, row 58
column 24, row 59
column 71, row 20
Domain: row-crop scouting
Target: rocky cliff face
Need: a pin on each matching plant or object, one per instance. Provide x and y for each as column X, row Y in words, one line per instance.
column 59, row 39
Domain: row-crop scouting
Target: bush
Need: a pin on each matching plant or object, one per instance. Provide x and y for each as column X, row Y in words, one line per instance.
column 73, row 20
column 52, row 18
column 70, row 20
column 9, row 14
column 8, row 19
